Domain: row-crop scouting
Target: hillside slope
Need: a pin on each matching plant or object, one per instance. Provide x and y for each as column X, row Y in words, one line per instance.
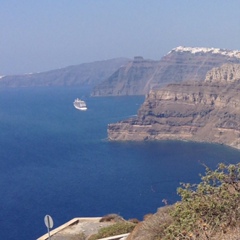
column 87, row 74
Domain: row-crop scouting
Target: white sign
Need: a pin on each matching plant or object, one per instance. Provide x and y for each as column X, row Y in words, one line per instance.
column 48, row 221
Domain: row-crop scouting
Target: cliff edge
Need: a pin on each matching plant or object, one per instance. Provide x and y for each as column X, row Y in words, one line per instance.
column 207, row 111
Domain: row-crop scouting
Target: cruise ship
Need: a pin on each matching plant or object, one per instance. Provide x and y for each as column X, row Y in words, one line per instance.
column 80, row 104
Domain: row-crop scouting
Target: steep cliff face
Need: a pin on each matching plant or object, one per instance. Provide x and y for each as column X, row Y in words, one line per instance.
column 205, row 112
column 128, row 80
column 87, row 74
column 180, row 64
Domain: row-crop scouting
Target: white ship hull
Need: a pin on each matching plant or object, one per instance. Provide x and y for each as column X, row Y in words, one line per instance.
column 81, row 108
column 80, row 104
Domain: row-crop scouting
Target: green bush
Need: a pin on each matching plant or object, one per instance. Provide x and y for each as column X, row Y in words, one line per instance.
column 115, row 229
column 208, row 207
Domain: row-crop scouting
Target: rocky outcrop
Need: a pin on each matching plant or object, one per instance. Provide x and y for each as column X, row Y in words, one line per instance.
column 87, row 74
column 181, row 64
column 227, row 74
column 206, row 111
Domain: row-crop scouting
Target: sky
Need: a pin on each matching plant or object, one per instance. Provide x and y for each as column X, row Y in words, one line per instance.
column 42, row 35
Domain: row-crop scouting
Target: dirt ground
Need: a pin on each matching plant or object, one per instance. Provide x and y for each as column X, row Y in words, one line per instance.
column 88, row 227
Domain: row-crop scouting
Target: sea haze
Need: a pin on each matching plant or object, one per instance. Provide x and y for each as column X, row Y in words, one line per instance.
column 56, row 160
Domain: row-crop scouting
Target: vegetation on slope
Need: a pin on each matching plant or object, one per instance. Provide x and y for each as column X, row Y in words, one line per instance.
column 208, row 210
column 115, row 229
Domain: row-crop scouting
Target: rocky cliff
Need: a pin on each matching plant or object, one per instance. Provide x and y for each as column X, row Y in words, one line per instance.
column 87, row 74
column 130, row 79
column 180, row 64
column 206, row 111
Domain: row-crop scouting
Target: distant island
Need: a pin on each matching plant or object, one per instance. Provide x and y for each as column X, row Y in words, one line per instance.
column 123, row 76
column 82, row 75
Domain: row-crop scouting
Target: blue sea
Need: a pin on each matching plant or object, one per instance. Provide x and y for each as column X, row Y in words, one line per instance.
column 56, row 160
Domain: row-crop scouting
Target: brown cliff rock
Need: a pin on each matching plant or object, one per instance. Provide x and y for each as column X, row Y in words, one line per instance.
column 227, row 73
column 204, row 112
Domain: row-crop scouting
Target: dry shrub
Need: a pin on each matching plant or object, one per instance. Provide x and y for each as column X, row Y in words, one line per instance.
column 134, row 220
column 146, row 216
column 112, row 218
column 153, row 225
column 157, row 223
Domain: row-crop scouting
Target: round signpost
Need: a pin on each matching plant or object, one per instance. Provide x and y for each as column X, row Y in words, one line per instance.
column 49, row 224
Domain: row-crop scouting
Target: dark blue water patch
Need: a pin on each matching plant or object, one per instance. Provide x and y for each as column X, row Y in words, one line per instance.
column 55, row 160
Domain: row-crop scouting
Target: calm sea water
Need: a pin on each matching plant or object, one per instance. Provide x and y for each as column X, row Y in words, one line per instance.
column 56, row 160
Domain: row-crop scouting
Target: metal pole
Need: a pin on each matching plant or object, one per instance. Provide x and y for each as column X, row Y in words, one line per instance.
column 49, row 237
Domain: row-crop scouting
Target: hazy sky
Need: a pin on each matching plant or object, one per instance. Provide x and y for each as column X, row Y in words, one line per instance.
column 40, row 35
